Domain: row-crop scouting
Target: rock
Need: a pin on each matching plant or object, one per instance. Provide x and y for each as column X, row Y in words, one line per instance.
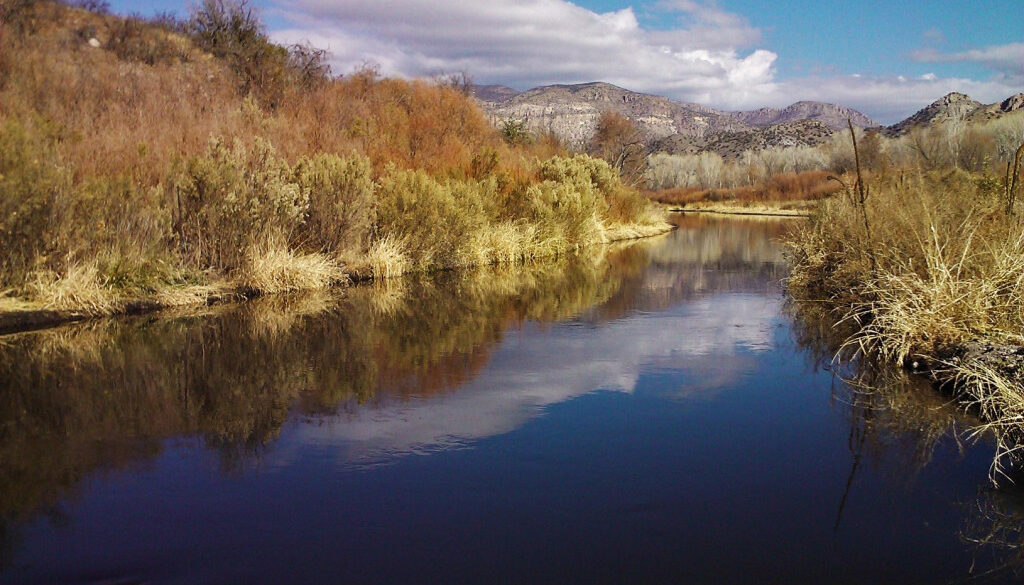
column 1007, row 360
column 94, row 43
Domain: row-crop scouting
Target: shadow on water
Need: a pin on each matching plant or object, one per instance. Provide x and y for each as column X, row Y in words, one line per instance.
column 899, row 420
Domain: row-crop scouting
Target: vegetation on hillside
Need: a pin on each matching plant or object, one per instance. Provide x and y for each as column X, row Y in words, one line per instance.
column 161, row 158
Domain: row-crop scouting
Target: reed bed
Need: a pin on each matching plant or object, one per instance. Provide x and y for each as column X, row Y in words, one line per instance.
column 926, row 266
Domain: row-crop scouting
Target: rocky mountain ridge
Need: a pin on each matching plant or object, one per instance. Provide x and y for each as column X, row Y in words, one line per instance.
column 571, row 113
column 831, row 115
column 956, row 106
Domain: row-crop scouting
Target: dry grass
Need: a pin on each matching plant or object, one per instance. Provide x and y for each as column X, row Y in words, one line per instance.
column 79, row 289
column 273, row 269
column 804, row 186
column 387, row 258
column 941, row 267
column 182, row 296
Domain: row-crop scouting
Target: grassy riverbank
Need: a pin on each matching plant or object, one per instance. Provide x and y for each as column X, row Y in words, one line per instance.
column 929, row 272
column 167, row 162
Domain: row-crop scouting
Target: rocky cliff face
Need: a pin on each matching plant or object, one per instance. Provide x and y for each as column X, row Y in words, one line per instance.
column 571, row 112
column 1011, row 104
column 731, row 144
column 493, row 93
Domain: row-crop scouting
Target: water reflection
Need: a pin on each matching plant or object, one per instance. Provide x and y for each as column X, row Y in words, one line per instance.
column 107, row 393
column 900, row 421
column 645, row 401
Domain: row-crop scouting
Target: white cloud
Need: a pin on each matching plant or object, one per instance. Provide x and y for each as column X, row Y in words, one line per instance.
column 1007, row 60
column 711, row 57
column 530, row 372
column 536, row 42
column 890, row 99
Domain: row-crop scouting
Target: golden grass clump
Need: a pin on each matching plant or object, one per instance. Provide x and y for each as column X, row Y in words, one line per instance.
column 949, row 265
column 387, row 258
column 272, row 268
column 79, row 288
column 929, row 266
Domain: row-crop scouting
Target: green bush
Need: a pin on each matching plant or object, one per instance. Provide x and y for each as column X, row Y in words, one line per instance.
column 432, row 218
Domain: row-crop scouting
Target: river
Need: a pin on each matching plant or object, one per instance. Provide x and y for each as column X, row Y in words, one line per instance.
column 647, row 413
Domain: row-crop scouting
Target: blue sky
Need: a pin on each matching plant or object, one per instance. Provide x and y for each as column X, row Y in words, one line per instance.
column 886, row 59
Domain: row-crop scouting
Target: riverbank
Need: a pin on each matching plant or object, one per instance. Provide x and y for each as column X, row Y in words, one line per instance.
column 771, row 209
column 148, row 164
column 23, row 315
column 926, row 269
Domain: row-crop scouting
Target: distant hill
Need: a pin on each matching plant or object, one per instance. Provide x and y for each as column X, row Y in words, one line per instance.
column 493, row 93
column 571, row 112
column 831, row 115
column 956, row 106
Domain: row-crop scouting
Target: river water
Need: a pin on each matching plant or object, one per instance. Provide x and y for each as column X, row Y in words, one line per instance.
column 651, row 413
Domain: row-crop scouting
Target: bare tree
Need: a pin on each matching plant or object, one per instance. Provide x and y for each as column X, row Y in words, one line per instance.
column 618, row 140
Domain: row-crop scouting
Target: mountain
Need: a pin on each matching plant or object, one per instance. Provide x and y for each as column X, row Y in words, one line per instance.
column 493, row 93
column 957, row 106
column 571, row 112
column 831, row 115
column 731, row 144
column 952, row 106
column 1011, row 104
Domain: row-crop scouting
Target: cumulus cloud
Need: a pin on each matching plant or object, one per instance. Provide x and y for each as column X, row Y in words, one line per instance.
column 711, row 56
column 537, row 42
column 704, row 26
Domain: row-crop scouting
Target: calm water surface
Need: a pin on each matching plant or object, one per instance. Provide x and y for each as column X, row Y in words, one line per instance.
column 650, row 414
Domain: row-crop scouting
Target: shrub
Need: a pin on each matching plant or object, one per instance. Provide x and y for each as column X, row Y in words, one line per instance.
column 232, row 30
column 431, row 218
column 232, row 198
column 34, row 188
column 133, row 39
column 342, row 208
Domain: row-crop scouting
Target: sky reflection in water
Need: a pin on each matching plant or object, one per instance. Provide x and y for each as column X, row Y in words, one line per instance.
column 648, row 414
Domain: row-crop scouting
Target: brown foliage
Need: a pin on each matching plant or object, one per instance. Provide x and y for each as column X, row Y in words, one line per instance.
column 617, row 140
column 806, row 186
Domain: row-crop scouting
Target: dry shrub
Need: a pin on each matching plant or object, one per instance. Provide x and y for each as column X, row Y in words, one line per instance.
column 133, row 39
column 168, row 156
column 948, row 265
column 33, row 187
column 232, row 198
column 805, row 186
column 432, row 218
